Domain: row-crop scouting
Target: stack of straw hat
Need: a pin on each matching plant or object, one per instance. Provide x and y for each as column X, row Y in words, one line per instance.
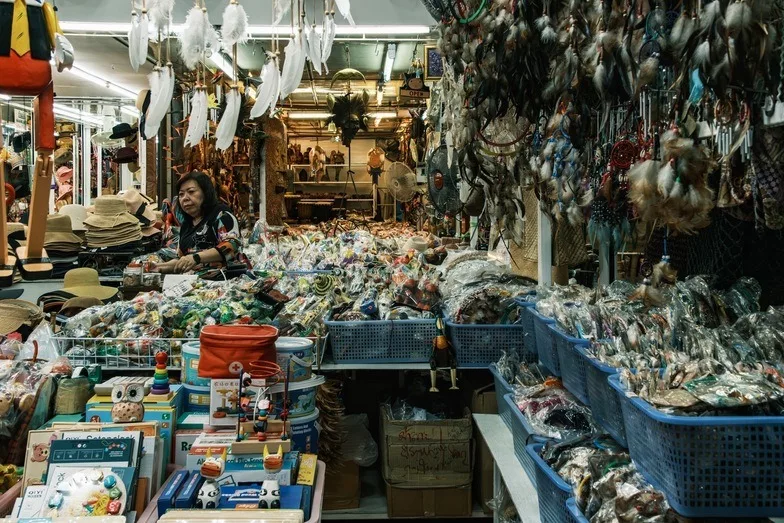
column 16, row 314
column 59, row 237
column 111, row 225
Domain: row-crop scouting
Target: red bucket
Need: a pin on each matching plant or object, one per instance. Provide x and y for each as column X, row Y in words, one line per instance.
column 226, row 349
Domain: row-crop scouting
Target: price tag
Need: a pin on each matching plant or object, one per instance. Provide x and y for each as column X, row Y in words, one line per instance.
column 177, row 286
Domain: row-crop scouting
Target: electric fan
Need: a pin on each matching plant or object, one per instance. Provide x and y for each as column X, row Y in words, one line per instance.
column 442, row 183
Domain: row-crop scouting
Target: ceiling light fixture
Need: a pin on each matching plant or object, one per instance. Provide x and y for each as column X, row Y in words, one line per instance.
column 390, row 114
column 380, row 94
column 219, row 60
column 97, row 80
column 4, row 97
column 79, row 116
column 389, row 61
column 312, row 115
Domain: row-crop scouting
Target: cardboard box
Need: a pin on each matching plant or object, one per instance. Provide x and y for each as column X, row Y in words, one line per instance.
column 452, row 502
column 166, row 417
column 483, row 401
column 342, row 486
column 426, row 453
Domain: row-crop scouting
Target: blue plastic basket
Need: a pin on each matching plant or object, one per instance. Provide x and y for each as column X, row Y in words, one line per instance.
column 552, row 489
column 522, row 435
column 545, row 346
column 481, row 345
column 527, row 320
column 502, row 388
column 605, row 404
column 381, row 341
column 571, row 363
column 724, row 466
column 574, row 512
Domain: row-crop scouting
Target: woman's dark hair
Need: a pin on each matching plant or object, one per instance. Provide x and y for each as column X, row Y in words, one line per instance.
column 206, row 186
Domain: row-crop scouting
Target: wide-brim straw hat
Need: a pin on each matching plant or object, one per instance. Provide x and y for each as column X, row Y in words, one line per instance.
column 59, row 230
column 110, row 213
column 15, row 313
column 80, row 303
column 83, row 282
column 139, row 205
column 77, row 213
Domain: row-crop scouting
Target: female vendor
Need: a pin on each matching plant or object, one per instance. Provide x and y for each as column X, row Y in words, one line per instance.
column 209, row 232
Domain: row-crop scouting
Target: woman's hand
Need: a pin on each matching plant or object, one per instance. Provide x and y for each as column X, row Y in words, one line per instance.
column 184, row 264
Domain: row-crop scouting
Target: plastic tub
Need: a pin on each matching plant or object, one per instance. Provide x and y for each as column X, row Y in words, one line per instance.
column 605, row 404
column 305, row 434
column 502, row 388
column 553, row 491
column 708, row 467
column 528, row 324
column 382, row 341
column 190, row 365
column 480, row 345
column 574, row 512
column 522, row 435
column 545, row 348
column 302, row 396
column 197, row 399
column 298, row 351
column 572, row 365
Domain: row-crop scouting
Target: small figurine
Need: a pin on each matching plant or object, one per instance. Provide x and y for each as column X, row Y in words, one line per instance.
column 260, row 424
column 443, row 356
column 128, row 406
column 211, row 470
column 270, row 494
column 273, row 462
column 160, row 382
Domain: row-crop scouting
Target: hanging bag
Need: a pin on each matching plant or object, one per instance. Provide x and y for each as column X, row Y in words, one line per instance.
column 226, row 349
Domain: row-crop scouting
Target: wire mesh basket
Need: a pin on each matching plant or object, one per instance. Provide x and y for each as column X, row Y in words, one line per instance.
column 122, row 353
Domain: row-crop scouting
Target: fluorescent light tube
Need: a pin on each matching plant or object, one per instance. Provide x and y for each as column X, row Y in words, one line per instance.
column 377, row 115
column 389, row 61
column 223, row 64
column 312, row 115
column 97, row 80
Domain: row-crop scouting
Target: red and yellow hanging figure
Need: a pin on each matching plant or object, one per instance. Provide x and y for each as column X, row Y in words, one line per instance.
column 29, row 33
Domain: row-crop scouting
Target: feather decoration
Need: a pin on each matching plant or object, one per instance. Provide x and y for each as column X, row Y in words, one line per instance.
column 134, row 37
column 224, row 135
column 293, row 66
column 160, row 14
column 344, row 6
column 701, row 55
column 144, row 38
column 599, row 79
column 549, row 35
column 269, row 89
column 160, row 99
column 198, row 118
column 574, row 215
column 665, row 179
column 739, row 17
column 212, row 43
column 648, row 71
column 314, row 47
column 193, row 37
column 280, row 8
column 542, row 22
column 647, row 294
column 709, row 15
column 681, row 32
column 663, row 272
column 327, row 39
column 235, row 25
column 678, row 190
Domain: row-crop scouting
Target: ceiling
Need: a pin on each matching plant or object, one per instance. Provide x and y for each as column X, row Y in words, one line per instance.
column 105, row 54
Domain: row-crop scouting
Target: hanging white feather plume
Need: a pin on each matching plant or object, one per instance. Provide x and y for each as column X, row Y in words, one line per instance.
column 599, row 79
column 212, row 42
column 739, row 17
column 665, row 180
column 224, row 135
column 293, row 66
column 678, row 190
column 702, row 54
column 269, row 89
column 344, row 6
column 198, row 119
column 193, row 37
column 235, row 25
column 160, row 99
column 709, row 15
column 549, row 35
column 327, row 39
column 279, row 8
column 133, row 41
column 314, row 47
column 144, row 38
column 160, row 12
